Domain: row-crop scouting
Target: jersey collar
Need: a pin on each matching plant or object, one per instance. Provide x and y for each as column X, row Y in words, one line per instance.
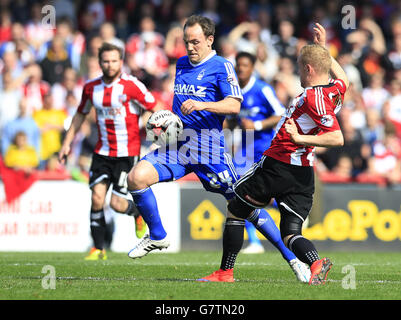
column 112, row 83
column 249, row 85
column 209, row 56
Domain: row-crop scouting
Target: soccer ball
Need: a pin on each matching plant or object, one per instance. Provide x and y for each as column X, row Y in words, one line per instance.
column 163, row 127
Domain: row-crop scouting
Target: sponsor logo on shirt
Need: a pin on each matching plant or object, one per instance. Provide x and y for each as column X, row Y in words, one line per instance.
column 327, row 120
column 189, row 89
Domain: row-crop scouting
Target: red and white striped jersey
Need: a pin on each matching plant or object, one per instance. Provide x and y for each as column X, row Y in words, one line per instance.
column 117, row 108
column 314, row 112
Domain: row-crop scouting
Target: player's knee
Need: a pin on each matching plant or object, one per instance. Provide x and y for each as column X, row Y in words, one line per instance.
column 289, row 229
column 97, row 201
column 139, row 178
column 239, row 208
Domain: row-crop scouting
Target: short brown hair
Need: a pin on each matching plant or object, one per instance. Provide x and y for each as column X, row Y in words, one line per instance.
column 317, row 56
column 207, row 25
column 106, row 46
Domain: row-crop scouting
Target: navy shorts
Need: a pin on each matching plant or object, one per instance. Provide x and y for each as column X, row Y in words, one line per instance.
column 217, row 175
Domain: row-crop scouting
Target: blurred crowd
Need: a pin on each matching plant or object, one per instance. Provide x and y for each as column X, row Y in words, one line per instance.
column 43, row 70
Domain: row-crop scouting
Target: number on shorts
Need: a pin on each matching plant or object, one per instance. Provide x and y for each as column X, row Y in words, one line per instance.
column 223, row 176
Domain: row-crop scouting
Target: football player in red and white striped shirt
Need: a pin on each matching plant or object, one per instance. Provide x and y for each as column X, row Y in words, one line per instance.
column 286, row 170
column 118, row 99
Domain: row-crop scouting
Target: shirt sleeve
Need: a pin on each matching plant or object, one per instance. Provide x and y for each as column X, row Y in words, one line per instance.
column 86, row 103
column 141, row 95
column 273, row 101
column 228, row 82
column 321, row 110
column 340, row 85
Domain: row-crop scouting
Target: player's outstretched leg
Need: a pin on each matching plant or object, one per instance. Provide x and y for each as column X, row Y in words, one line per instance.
column 157, row 238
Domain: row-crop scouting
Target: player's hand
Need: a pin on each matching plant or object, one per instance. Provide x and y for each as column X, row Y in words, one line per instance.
column 292, row 130
column 63, row 154
column 319, row 35
column 189, row 106
column 247, row 124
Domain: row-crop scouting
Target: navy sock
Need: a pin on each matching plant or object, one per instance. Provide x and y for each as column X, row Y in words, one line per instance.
column 98, row 228
column 233, row 239
column 147, row 206
column 303, row 249
column 132, row 210
column 262, row 221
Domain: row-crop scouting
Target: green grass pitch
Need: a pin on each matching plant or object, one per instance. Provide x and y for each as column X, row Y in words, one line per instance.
column 171, row 276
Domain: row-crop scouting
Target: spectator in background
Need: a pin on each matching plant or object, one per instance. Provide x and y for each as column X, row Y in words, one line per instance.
column 374, row 129
column 20, row 155
column 34, row 89
column 226, row 48
column 51, row 124
column 266, row 65
column 36, row 33
column 356, row 109
column 23, row 123
column 65, row 9
column 96, row 10
column 149, row 57
column 11, row 64
column 285, row 42
column 391, row 112
column 246, row 36
column 87, row 25
column 74, row 41
column 107, row 33
column 287, row 78
column 346, row 62
column 68, row 86
column 342, row 172
column 92, row 51
column 55, row 62
column 354, row 147
column 10, row 97
column 385, row 165
column 147, row 28
column 174, row 45
column 122, row 26
column 5, row 26
column 375, row 95
column 393, row 56
column 93, row 67
column 367, row 48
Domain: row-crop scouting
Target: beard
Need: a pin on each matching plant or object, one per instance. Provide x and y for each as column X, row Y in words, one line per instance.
column 111, row 74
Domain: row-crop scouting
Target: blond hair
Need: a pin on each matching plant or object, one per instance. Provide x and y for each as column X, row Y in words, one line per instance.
column 317, row 56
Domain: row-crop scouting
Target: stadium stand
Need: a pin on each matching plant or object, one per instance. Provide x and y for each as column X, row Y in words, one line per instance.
column 36, row 62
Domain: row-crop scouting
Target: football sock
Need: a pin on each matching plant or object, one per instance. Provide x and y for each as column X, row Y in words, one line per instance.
column 262, row 221
column 233, row 239
column 303, row 249
column 251, row 230
column 98, row 228
column 147, row 206
column 132, row 210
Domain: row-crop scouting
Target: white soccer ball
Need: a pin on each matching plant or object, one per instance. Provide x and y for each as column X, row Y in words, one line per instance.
column 163, row 127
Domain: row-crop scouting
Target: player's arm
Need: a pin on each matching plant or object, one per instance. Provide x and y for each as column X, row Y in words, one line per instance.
column 336, row 70
column 259, row 125
column 327, row 139
column 228, row 105
column 76, row 124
